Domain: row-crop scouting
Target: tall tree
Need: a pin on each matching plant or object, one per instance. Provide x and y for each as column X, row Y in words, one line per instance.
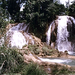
column 13, row 7
column 4, row 16
column 41, row 12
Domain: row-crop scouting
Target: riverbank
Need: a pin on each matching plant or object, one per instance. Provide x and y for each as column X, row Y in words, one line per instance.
column 32, row 53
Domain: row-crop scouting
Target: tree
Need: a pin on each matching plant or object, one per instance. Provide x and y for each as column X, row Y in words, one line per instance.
column 13, row 7
column 4, row 17
column 54, row 9
column 72, row 9
column 40, row 12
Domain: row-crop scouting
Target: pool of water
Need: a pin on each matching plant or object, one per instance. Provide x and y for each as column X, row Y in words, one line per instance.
column 71, row 53
column 65, row 61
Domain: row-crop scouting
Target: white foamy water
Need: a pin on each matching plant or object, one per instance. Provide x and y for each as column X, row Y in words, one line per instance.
column 22, row 27
column 65, row 61
column 17, row 39
column 18, row 36
column 65, row 28
column 49, row 34
column 56, row 60
column 62, row 34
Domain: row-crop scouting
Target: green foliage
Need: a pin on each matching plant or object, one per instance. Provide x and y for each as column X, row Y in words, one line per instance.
column 56, row 71
column 12, row 63
column 61, row 71
column 11, row 21
column 33, row 69
column 13, row 7
column 10, row 59
column 3, row 18
column 54, row 9
column 34, row 49
column 72, row 9
column 47, row 51
column 39, row 13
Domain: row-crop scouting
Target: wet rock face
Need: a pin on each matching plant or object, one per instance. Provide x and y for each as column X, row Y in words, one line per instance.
column 71, row 28
column 54, row 31
column 61, row 32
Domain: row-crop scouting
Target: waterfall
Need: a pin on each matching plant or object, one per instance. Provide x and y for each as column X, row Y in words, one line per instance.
column 18, row 36
column 21, row 27
column 63, row 32
column 49, row 33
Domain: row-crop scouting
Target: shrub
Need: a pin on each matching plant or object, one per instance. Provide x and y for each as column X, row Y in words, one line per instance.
column 61, row 71
column 33, row 69
column 46, row 51
column 10, row 59
column 34, row 49
column 12, row 63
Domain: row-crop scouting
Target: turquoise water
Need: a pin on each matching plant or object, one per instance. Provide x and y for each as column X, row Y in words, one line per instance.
column 65, row 61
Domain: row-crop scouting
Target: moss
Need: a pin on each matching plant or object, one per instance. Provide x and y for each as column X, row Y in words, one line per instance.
column 34, row 49
column 47, row 51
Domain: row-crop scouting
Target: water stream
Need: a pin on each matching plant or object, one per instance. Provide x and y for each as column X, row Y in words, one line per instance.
column 65, row 61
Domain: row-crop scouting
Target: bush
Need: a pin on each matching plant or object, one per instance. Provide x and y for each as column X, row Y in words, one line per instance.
column 33, row 69
column 12, row 63
column 46, row 51
column 60, row 71
column 10, row 59
column 34, row 49
column 4, row 17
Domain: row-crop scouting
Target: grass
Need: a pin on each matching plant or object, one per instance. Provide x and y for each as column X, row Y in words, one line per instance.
column 46, row 50
column 34, row 49
column 10, row 59
column 61, row 71
column 12, row 63
column 33, row 69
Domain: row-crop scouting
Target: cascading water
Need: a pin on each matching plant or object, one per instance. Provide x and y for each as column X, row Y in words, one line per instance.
column 17, row 36
column 63, row 33
column 49, row 34
column 22, row 27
